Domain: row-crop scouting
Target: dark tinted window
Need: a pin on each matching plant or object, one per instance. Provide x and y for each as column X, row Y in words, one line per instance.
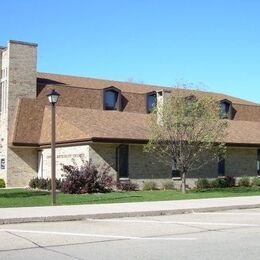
column 111, row 99
column 151, row 102
column 224, row 109
column 221, row 167
column 258, row 162
column 175, row 172
column 122, row 161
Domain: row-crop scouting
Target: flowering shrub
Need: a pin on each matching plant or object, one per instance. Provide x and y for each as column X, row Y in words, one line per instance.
column 86, row 178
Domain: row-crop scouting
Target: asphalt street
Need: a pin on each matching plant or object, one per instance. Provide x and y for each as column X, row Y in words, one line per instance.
column 221, row 235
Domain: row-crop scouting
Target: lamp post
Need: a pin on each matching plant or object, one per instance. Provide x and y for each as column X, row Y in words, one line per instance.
column 53, row 98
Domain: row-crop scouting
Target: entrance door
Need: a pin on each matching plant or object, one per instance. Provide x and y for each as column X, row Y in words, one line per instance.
column 122, row 161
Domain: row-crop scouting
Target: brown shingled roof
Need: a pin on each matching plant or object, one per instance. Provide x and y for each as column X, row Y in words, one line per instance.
column 84, row 82
column 28, row 122
column 243, row 132
column 77, row 124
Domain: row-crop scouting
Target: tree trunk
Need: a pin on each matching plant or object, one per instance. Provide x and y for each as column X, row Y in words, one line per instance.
column 183, row 182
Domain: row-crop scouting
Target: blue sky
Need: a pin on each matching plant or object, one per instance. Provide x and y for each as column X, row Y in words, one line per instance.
column 212, row 43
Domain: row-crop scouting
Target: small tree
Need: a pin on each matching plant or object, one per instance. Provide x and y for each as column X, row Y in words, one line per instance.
column 186, row 131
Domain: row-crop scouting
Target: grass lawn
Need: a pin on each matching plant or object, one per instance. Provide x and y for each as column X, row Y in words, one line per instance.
column 28, row 198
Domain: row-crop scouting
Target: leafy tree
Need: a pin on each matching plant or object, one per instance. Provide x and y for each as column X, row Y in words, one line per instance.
column 186, row 131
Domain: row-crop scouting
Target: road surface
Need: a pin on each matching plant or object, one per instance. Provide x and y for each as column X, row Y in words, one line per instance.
column 221, row 235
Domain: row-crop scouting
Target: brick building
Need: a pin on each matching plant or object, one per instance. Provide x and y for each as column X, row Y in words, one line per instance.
column 101, row 120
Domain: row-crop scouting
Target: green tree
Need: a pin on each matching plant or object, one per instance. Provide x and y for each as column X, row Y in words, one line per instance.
column 186, row 130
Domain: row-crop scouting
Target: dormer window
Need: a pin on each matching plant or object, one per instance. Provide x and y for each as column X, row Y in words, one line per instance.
column 112, row 99
column 225, row 109
column 190, row 99
column 151, row 102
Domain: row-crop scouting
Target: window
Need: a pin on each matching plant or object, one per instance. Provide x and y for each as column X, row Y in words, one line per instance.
column 3, row 73
column 151, row 102
column 190, row 103
column 122, row 161
column 258, row 162
column 175, row 172
column 112, row 99
column 225, row 109
column 221, row 167
column 3, row 95
column 190, row 99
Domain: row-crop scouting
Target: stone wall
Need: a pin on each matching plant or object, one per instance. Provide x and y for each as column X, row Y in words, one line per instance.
column 1, row 66
column 64, row 155
column 190, row 182
column 104, row 154
column 208, row 170
column 1, row 51
column 240, row 162
column 4, row 116
column 22, row 73
column 19, row 60
column 22, row 166
column 143, row 165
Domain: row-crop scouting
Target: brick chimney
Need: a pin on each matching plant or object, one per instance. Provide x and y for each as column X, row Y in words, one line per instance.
column 162, row 96
column 18, row 63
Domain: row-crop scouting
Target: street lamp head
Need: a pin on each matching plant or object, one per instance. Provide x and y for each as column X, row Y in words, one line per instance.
column 53, row 97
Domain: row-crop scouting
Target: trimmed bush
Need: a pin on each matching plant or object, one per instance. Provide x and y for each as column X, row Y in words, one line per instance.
column 127, row 186
column 202, row 183
column 168, row 185
column 38, row 183
column 231, row 181
column 2, row 183
column 150, row 185
column 255, row 181
column 218, row 183
column 86, row 178
column 244, row 181
column 44, row 184
column 58, row 184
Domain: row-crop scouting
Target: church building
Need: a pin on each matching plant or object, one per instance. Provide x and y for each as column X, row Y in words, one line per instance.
column 100, row 120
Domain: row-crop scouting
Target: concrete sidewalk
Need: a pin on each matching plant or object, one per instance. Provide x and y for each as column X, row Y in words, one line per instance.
column 80, row 212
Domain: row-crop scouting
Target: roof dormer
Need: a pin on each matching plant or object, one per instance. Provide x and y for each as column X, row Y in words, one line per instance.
column 151, row 101
column 112, row 98
column 226, row 109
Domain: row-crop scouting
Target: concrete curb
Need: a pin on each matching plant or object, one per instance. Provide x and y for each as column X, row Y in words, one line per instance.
column 122, row 214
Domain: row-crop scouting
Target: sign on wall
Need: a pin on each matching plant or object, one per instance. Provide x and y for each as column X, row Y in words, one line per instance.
column 2, row 163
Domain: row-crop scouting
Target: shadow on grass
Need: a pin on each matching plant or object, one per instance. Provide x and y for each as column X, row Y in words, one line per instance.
column 228, row 190
column 91, row 198
column 116, row 198
column 23, row 194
